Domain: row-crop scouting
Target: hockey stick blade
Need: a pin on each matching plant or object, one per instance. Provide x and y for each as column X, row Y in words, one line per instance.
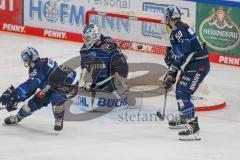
column 2, row 108
column 160, row 116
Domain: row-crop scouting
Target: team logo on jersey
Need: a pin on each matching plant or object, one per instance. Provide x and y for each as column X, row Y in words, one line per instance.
column 219, row 31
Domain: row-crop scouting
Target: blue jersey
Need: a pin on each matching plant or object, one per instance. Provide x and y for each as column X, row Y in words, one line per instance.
column 38, row 78
column 185, row 44
column 103, row 59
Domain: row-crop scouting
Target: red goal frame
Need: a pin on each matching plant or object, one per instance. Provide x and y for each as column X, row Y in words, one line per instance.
column 131, row 45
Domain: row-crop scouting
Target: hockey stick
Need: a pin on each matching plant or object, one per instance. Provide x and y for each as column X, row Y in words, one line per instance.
column 105, row 80
column 162, row 116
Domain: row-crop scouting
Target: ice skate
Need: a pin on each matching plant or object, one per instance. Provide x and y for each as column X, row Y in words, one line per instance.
column 12, row 120
column 58, row 126
column 192, row 131
column 178, row 123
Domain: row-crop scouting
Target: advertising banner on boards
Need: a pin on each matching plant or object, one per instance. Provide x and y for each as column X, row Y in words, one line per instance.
column 11, row 11
column 218, row 26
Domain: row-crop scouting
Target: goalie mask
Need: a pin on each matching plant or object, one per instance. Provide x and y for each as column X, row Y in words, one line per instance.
column 91, row 35
column 29, row 56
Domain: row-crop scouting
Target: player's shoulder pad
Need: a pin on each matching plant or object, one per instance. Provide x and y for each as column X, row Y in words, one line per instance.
column 109, row 44
column 47, row 62
column 43, row 61
column 84, row 50
column 180, row 26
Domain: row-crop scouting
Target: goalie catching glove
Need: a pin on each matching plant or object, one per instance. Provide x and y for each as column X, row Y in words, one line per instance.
column 10, row 99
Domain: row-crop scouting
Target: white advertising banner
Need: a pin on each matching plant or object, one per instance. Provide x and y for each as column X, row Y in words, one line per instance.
column 69, row 15
column 135, row 30
column 65, row 15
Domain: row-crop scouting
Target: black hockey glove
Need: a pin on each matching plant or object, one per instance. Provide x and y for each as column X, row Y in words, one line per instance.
column 10, row 99
column 170, row 79
column 169, row 57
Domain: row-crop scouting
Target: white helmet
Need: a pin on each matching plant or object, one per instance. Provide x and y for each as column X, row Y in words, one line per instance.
column 91, row 35
column 29, row 56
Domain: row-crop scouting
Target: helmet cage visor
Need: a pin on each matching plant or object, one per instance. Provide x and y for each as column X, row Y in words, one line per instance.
column 26, row 58
column 90, row 36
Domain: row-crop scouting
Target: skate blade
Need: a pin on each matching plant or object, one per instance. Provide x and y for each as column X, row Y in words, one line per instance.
column 4, row 124
column 56, row 133
column 191, row 137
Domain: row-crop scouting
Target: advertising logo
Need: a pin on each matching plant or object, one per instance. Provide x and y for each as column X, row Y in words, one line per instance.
column 63, row 11
column 107, row 23
column 153, row 29
column 158, row 30
column 51, row 11
column 13, row 28
column 11, row 12
column 229, row 60
column 85, row 102
column 219, row 31
column 122, row 4
column 54, row 34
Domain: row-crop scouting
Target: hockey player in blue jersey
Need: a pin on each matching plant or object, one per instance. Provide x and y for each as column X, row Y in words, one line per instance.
column 102, row 59
column 46, row 85
column 188, row 56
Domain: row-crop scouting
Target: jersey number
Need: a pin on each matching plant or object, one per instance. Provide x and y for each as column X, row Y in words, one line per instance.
column 179, row 36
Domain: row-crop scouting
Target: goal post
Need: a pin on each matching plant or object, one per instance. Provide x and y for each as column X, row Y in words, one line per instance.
column 123, row 15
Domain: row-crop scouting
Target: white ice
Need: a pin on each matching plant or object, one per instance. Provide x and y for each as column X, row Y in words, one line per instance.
column 110, row 137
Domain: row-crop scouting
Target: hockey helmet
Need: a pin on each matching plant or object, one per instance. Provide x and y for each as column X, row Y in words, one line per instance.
column 91, row 35
column 29, row 56
column 172, row 12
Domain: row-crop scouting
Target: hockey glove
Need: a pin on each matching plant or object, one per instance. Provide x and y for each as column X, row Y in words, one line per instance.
column 170, row 78
column 10, row 99
column 85, row 85
column 169, row 57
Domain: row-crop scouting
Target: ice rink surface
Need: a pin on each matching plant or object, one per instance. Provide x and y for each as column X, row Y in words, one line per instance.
column 109, row 136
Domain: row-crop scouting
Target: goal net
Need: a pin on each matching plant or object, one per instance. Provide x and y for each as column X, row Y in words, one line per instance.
column 144, row 32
